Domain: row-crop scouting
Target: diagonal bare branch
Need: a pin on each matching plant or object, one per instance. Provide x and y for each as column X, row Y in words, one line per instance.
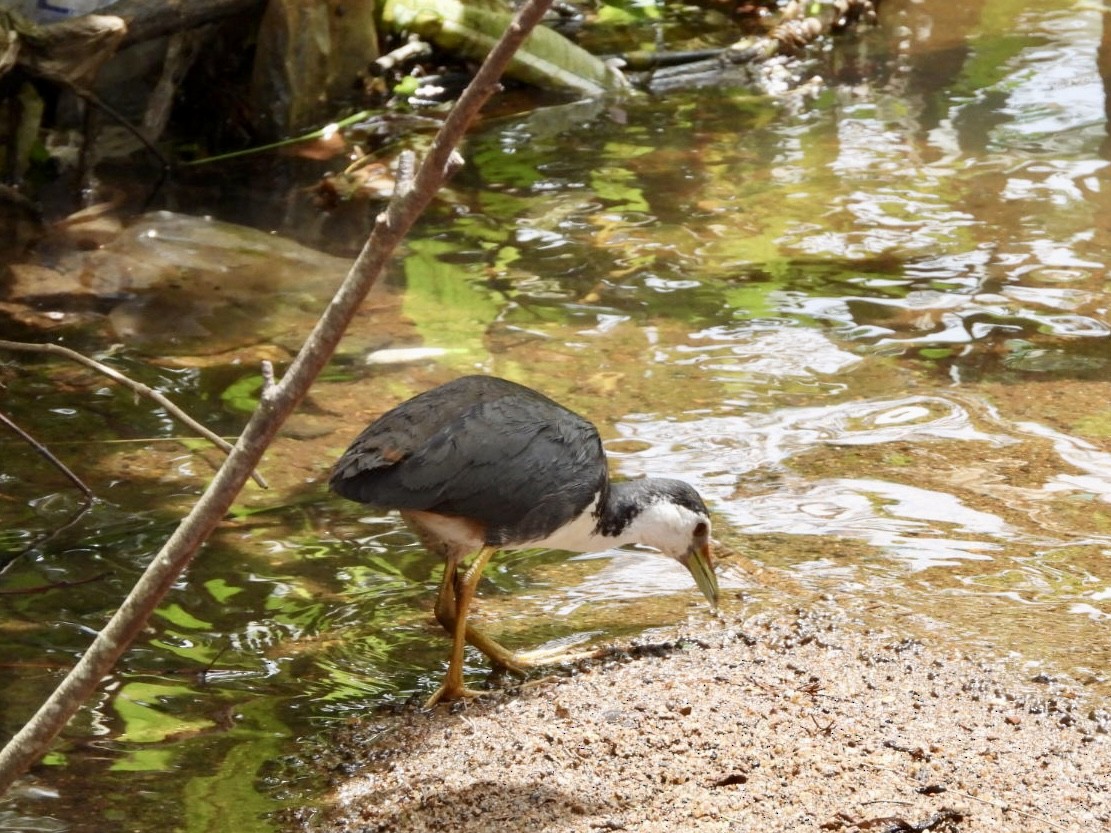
column 32, row 741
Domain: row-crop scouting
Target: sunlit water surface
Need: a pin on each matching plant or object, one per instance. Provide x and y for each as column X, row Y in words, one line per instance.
column 869, row 322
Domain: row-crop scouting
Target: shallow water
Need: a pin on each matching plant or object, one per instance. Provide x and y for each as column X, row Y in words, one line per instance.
column 869, row 322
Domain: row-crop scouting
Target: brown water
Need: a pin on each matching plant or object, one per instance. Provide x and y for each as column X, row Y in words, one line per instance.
column 869, row 321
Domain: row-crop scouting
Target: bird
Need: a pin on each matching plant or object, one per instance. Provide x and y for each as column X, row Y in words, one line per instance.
column 480, row 465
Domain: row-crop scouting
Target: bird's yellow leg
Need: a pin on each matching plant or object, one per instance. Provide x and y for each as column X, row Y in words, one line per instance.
column 502, row 657
column 445, row 615
column 445, row 597
column 452, row 687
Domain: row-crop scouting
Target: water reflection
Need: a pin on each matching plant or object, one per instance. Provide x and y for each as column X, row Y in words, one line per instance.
column 752, row 441
column 732, row 352
column 921, row 527
column 1093, row 463
column 870, row 325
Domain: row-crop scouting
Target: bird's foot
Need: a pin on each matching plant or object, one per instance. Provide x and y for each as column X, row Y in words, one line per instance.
column 447, row 693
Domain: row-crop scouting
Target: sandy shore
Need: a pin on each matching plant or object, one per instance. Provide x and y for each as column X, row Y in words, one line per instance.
column 792, row 723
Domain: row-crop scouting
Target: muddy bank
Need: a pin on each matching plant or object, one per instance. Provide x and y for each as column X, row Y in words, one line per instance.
column 800, row 722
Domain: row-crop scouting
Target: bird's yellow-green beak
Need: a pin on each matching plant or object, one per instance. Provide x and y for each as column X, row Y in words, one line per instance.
column 699, row 561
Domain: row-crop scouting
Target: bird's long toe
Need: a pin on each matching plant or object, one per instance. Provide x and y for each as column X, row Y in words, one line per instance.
column 521, row 662
column 541, row 657
column 447, row 693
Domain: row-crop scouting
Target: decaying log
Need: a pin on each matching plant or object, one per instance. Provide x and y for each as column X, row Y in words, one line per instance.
column 146, row 20
column 71, row 51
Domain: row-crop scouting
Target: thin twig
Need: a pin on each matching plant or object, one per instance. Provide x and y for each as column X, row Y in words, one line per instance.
column 54, row 461
column 70, row 475
column 1007, row 808
column 408, row 52
column 102, row 105
column 144, row 390
column 57, row 585
column 31, row 742
column 74, row 517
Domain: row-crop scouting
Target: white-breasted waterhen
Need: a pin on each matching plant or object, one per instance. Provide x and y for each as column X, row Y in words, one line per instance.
column 481, row 464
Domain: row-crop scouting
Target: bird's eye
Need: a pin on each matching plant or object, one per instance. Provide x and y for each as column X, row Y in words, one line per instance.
column 701, row 529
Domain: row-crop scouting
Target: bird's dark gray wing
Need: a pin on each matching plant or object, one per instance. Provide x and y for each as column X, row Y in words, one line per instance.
column 407, row 428
column 521, row 466
column 512, row 466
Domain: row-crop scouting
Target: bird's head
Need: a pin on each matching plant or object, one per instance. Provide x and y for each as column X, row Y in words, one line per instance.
column 670, row 516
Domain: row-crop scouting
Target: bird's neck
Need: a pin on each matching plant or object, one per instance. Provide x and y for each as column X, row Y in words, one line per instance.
column 624, row 506
column 633, row 513
column 612, row 520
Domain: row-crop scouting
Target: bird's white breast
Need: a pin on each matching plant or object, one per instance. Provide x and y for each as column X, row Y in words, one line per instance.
column 577, row 536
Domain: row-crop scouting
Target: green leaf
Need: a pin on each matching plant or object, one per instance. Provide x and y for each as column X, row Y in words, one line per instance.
column 449, row 308
column 220, row 590
column 230, row 798
column 147, row 759
column 146, row 718
column 179, row 616
column 243, row 395
column 406, row 86
column 620, row 186
column 935, row 352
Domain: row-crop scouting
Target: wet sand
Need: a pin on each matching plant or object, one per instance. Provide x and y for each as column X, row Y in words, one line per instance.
column 782, row 722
